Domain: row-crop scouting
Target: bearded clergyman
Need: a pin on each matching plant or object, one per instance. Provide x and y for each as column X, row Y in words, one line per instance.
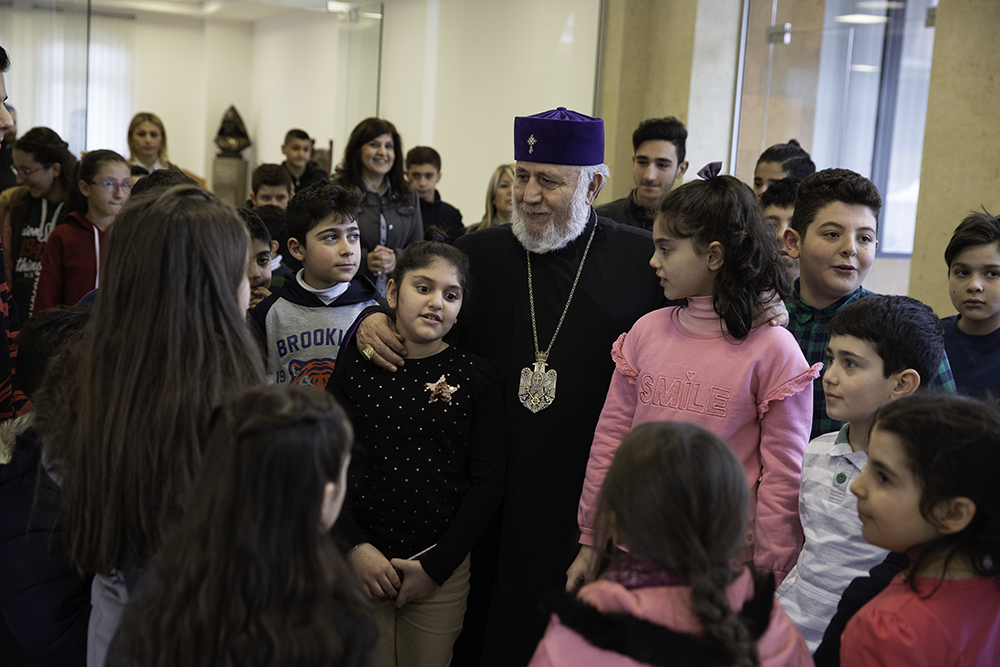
column 550, row 294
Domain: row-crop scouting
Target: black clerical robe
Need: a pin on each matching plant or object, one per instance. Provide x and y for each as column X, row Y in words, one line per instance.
column 536, row 535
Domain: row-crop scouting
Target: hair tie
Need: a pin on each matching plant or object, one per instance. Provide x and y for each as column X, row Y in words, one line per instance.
column 710, row 170
column 439, row 239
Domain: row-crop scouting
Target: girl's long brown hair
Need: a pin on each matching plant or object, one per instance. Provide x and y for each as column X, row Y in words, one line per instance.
column 677, row 495
column 249, row 578
column 125, row 409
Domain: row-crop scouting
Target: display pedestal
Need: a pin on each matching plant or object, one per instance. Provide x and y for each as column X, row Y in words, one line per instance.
column 229, row 180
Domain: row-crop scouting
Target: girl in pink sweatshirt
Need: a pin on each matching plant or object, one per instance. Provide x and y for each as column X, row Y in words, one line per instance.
column 676, row 499
column 703, row 363
column 71, row 264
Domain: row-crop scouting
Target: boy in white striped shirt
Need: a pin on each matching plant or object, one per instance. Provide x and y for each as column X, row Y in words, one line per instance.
column 881, row 348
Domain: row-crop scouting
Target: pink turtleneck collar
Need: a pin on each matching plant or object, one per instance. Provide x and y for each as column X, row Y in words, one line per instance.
column 699, row 316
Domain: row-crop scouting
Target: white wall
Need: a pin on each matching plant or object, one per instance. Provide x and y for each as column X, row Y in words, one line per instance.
column 491, row 61
column 294, row 81
column 227, row 78
column 168, row 80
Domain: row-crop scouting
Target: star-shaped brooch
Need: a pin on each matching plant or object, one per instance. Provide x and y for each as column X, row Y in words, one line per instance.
column 440, row 390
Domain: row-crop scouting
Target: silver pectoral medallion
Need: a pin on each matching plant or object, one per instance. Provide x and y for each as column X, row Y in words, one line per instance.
column 537, row 388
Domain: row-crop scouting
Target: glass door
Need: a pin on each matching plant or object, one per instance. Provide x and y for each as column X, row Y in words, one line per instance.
column 849, row 80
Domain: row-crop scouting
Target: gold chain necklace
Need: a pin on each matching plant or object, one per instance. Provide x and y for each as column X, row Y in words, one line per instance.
column 537, row 388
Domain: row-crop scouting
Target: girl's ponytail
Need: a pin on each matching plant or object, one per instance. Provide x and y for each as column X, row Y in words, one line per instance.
column 86, row 169
column 710, row 604
column 47, row 147
column 677, row 495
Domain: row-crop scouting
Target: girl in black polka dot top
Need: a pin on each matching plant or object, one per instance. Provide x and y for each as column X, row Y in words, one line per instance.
column 427, row 470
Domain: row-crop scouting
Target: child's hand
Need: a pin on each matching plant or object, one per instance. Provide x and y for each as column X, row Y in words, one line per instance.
column 258, row 294
column 417, row 584
column 378, row 332
column 583, row 570
column 376, row 574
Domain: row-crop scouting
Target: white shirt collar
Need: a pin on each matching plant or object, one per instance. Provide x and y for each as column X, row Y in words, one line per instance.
column 328, row 295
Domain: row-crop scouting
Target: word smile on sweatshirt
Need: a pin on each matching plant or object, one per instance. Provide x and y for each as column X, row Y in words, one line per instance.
column 684, row 394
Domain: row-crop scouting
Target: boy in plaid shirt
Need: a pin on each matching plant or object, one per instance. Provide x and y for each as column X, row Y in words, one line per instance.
column 834, row 236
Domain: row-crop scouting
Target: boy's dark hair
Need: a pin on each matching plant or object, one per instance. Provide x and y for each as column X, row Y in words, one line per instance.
column 662, row 129
column 952, row 446
column 794, row 159
column 318, row 202
column 256, row 227
column 296, row 133
column 904, row 332
column 273, row 218
column 423, row 155
column 41, row 338
column 4, row 60
column 273, row 175
column 833, row 185
column 781, row 193
column 161, row 179
column 138, row 170
column 976, row 229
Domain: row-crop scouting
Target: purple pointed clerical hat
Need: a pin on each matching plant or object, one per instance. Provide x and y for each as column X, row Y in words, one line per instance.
column 560, row 136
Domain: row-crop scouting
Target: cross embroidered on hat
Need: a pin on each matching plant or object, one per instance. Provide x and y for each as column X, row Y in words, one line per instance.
column 560, row 136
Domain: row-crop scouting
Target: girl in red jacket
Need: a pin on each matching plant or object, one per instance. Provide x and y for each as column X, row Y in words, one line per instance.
column 71, row 264
column 930, row 491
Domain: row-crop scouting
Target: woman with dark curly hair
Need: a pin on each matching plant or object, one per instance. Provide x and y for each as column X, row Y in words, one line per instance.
column 390, row 212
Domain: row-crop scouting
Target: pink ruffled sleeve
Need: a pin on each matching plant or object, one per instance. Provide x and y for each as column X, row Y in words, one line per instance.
column 790, row 388
column 612, row 427
column 621, row 363
column 785, row 419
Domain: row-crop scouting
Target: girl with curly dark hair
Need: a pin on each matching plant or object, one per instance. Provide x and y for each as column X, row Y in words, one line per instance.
column 704, row 363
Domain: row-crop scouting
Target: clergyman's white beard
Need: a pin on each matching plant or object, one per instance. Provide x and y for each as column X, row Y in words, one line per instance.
column 556, row 231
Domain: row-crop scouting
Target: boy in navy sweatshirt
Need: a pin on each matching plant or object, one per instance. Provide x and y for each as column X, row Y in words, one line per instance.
column 304, row 321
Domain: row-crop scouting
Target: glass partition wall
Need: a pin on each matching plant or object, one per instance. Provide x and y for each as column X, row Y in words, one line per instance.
column 849, row 80
column 85, row 68
column 47, row 82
